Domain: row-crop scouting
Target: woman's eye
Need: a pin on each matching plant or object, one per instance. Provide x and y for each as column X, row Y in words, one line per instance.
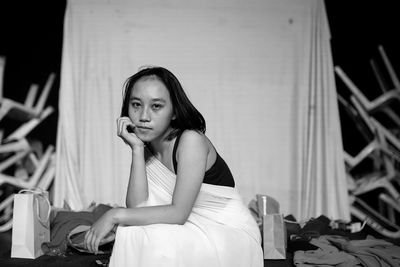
column 135, row 105
column 157, row 106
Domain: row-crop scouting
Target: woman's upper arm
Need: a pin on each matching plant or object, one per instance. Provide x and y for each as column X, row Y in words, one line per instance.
column 192, row 160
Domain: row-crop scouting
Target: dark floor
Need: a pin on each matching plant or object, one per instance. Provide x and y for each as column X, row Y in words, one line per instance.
column 77, row 259
column 71, row 260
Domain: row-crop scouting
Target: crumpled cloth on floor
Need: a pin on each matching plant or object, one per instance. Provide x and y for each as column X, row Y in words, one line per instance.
column 339, row 251
column 76, row 238
column 64, row 222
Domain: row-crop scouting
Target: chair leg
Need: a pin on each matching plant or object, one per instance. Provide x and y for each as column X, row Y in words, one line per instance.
column 390, row 206
column 7, row 226
column 369, row 184
column 43, row 96
column 15, row 146
column 4, row 108
column 389, row 67
column 373, row 223
column 13, row 159
column 6, row 204
column 378, row 75
column 27, row 127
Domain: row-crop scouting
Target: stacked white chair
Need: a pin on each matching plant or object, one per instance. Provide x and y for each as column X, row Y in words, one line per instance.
column 383, row 148
column 17, row 150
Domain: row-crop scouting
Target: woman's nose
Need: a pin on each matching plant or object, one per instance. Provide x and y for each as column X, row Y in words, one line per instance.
column 144, row 115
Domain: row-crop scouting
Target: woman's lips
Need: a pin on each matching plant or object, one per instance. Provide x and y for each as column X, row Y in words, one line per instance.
column 142, row 129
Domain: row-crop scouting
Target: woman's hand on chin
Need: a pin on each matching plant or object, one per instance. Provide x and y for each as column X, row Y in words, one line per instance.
column 125, row 130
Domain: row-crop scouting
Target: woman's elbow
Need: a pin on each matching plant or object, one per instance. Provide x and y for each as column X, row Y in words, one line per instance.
column 181, row 217
column 135, row 204
column 181, row 221
column 129, row 203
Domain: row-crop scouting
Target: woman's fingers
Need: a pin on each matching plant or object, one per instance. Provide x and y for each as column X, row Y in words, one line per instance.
column 125, row 130
column 118, row 126
column 126, row 127
column 92, row 242
column 95, row 245
column 88, row 240
column 122, row 125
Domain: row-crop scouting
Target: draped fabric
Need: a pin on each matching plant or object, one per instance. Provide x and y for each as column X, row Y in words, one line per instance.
column 219, row 228
column 260, row 72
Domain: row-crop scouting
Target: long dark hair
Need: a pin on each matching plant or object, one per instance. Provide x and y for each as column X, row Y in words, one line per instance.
column 187, row 117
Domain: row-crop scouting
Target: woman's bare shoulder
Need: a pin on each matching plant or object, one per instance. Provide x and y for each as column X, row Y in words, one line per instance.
column 192, row 139
column 195, row 138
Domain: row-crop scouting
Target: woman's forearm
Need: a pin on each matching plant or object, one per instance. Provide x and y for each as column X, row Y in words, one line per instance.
column 168, row 214
column 137, row 188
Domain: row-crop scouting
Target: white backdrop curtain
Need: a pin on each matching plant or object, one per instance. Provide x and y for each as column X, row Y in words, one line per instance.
column 260, row 71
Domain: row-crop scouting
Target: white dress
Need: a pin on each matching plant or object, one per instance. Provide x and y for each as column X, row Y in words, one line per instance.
column 220, row 230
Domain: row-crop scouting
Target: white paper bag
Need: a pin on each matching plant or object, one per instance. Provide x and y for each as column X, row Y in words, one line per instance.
column 267, row 205
column 274, row 237
column 31, row 224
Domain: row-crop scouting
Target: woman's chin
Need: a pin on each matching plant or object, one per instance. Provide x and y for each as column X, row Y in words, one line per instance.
column 144, row 137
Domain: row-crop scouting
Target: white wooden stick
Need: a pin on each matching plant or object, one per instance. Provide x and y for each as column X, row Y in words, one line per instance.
column 30, row 98
column 389, row 67
column 24, row 129
column 35, row 177
column 45, row 93
column 378, row 75
column 2, row 67
column 12, row 160
column 353, row 88
column 15, row 146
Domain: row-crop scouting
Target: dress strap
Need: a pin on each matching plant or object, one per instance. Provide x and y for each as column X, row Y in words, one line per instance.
column 174, row 162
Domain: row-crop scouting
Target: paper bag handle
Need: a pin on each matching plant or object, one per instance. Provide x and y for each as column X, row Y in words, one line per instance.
column 40, row 193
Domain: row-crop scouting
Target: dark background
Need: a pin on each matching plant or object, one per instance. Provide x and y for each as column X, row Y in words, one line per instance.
column 31, row 40
column 357, row 29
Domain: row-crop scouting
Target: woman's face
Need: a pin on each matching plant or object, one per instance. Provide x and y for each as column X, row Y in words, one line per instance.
column 150, row 109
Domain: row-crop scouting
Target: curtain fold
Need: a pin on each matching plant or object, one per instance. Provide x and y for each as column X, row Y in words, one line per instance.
column 260, row 72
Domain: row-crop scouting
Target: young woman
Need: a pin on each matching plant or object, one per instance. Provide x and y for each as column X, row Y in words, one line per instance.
column 182, row 208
